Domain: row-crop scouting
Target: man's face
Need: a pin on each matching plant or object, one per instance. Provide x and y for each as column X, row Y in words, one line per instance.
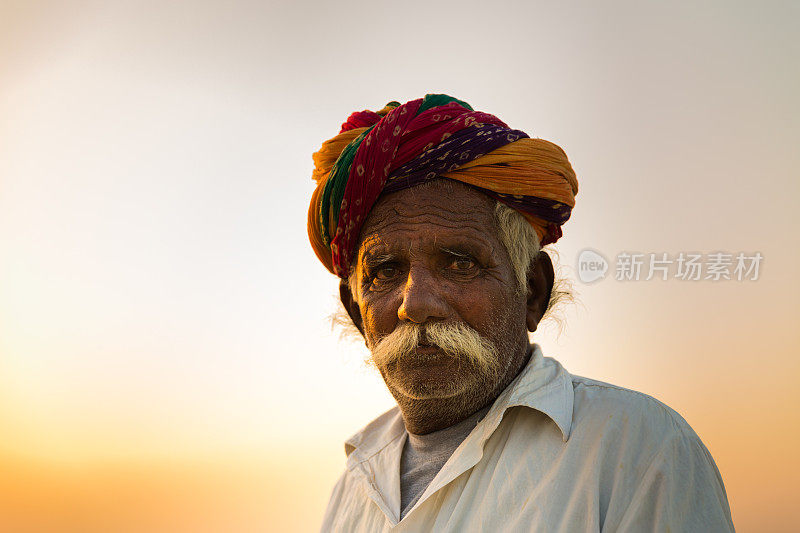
column 432, row 255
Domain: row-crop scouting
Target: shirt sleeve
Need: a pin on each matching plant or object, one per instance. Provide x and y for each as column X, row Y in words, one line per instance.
column 681, row 490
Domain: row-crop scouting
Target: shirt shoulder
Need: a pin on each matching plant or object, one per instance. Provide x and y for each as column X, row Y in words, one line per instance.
column 627, row 431
column 620, row 407
column 647, row 452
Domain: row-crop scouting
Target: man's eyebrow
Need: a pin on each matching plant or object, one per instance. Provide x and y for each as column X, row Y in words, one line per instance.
column 461, row 250
column 372, row 259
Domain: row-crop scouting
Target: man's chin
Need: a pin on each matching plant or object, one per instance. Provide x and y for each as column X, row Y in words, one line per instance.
column 435, row 379
column 417, row 393
column 426, row 391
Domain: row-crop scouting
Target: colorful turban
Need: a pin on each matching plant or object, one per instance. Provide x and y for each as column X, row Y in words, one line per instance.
column 401, row 146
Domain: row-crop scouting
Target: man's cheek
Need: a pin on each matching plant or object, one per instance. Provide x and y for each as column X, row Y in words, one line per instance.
column 375, row 323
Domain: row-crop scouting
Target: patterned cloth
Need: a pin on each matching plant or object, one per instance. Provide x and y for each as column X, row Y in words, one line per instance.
column 401, row 146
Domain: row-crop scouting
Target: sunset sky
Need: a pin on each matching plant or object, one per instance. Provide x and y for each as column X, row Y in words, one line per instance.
column 167, row 361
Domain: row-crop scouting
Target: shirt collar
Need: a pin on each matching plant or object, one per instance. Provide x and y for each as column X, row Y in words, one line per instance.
column 543, row 385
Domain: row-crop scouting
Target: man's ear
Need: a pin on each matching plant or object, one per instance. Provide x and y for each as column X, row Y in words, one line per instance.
column 350, row 304
column 540, row 286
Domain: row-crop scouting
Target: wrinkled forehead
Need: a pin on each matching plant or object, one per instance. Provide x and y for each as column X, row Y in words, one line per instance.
column 438, row 209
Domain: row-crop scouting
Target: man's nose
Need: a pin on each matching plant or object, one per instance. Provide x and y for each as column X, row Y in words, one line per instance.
column 422, row 298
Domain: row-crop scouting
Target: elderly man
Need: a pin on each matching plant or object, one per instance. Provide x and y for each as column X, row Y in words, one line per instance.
column 433, row 216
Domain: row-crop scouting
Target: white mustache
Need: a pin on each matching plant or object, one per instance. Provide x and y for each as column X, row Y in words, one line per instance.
column 457, row 340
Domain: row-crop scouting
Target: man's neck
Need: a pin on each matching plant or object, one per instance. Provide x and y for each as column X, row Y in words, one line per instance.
column 425, row 416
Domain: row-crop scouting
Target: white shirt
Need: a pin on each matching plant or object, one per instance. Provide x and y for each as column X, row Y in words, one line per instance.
column 555, row 452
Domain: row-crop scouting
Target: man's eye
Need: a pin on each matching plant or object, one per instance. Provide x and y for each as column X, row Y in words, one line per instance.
column 386, row 272
column 462, row 264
